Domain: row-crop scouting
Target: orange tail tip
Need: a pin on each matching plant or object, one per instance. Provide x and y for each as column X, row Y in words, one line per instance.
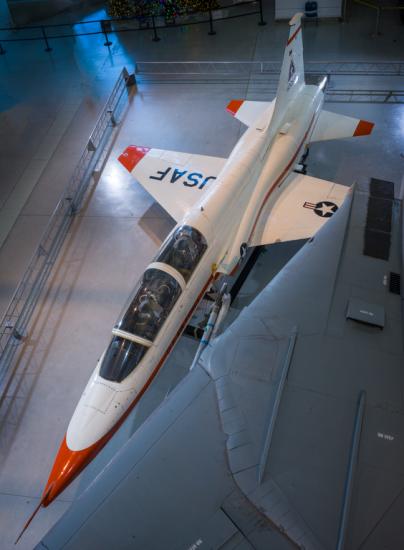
column 364, row 128
column 132, row 156
column 234, row 106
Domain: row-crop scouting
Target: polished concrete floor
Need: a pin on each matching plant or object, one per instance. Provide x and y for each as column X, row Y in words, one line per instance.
column 49, row 103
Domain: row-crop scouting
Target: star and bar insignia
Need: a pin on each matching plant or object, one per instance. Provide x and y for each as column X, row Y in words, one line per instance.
column 324, row 209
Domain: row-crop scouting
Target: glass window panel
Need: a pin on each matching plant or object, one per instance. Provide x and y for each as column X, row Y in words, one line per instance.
column 153, row 302
column 121, row 357
column 183, row 250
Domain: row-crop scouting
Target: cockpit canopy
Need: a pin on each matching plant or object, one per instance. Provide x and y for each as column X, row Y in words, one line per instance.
column 154, row 299
column 121, row 358
column 183, row 250
column 156, row 295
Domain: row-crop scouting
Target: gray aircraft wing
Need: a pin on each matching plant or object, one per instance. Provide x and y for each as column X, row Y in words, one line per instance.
column 289, row 431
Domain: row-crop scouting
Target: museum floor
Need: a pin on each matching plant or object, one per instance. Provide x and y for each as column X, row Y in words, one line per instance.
column 49, row 103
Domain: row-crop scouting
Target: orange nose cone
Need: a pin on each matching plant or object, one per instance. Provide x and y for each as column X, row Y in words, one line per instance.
column 66, row 468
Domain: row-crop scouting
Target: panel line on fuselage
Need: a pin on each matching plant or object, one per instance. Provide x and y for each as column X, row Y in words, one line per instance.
column 280, row 179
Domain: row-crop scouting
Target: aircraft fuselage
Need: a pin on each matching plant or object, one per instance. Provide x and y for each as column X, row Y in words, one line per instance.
column 226, row 216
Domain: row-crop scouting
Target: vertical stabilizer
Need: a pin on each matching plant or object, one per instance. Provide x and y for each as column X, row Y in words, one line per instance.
column 292, row 73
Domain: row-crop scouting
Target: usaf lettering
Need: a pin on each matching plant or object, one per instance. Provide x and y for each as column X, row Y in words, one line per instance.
column 193, row 179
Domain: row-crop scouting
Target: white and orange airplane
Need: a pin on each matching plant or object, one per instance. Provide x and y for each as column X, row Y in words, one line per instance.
column 222, row 206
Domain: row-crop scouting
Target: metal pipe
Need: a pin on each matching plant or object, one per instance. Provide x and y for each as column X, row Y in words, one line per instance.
column 261, row 21
column 155, row 37
column 350, row 476
column 275, row 408
column 211, row 30
column 104, row 30
column 378, row 13
column 48, row 48
column 380, row 68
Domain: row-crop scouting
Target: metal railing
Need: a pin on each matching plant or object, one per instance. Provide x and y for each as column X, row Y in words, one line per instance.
column 262, row 77
column 379, row 8
column 229, row 68
column 106, row 27
column 15, row 322
column 364, row 96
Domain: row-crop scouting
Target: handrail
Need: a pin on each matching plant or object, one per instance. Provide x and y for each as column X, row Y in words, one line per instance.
column 379, row 8
column 370, row 4
column 338, row 67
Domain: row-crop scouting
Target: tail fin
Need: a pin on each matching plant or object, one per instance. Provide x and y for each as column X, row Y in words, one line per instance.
column 292, row 72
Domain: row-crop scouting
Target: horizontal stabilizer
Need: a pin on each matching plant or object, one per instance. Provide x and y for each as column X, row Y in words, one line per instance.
column 175, row 180
column 301, row 210
column 334, row 126
column 252, row 112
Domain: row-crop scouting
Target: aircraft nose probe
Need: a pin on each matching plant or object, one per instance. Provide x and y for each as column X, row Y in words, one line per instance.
column 66, row 468
column 27, row 524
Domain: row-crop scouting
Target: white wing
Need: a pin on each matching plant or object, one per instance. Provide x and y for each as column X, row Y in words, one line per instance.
column 175, row 180
column 301, row 210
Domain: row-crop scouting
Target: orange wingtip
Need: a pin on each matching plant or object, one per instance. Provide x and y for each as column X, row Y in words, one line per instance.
column 364, row 128
column 132, row 156
column 234, row 106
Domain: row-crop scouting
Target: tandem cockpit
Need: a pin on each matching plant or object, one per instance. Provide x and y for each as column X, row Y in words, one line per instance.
column 153, row 300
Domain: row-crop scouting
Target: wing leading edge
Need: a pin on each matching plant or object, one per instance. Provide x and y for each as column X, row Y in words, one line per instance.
column 175, row 180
